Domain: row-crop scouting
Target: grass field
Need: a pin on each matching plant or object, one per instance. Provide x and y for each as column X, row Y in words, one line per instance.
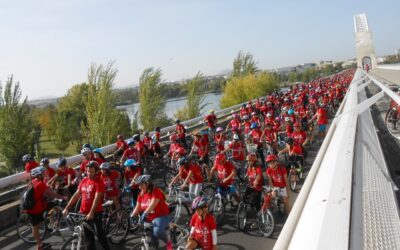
column 49, row 150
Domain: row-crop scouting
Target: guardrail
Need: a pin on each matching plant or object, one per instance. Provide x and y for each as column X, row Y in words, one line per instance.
column 321, row 215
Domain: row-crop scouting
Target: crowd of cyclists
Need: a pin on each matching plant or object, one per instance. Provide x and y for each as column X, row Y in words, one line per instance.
column 256, row 148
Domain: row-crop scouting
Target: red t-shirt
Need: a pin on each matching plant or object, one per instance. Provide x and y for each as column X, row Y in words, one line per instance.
column 269, row 135
column 147, row 142
column 252, row 174
column 247, row 126
column 224, row 171
column 145, row 199
column 234, row 124
column 299, row 137
column 85, row 163
column 63, row 173
column 129, row 174
column 296, row 149
column 122, row 144
column 237, row 151
column 89, row 188
column 202, row 230
column 39, row 188
column 30, row 165
column 110, row 183
column 99, row 160
column 322, row 116
column 131, row 153
column 220, row 140
column 180, row 131
column 197, row 176
column 278, row 176
column 211, row 119
column 48, row 174
column 256, row 136
column 201, row 147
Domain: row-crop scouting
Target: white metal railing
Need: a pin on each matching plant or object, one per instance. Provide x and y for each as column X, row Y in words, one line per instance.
column 321, row 215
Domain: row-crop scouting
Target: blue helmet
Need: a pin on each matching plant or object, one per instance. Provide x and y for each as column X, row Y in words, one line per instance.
column 254, row 125
column 97, row 150
column 130, row 163
column 290, row 112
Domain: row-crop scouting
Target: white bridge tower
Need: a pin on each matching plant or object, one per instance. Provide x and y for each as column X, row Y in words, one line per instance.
column 364, row 46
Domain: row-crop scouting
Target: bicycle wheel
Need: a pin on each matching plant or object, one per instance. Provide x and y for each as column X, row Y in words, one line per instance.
column 117, row 227
column 217, row 208
column 292, row 178
column 73, row 242
column 266, row 222
column 208, row 191
column 24, row 229
column 181, row 215
column 241, row 217
column 179, row 236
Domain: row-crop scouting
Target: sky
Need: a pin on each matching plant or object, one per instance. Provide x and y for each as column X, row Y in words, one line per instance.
column 48, row 46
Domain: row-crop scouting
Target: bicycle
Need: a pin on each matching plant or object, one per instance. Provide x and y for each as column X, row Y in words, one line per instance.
column 296, row 173
column 219, row 204
column 179, row 210
column 116, row 223
column 77, row 224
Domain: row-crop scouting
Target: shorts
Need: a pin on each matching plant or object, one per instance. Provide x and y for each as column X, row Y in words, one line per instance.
column 282, row 192
column 322, row 128
column 224, row 191
column 36, row 218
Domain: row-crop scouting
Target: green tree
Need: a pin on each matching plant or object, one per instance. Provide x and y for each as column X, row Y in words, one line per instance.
column 18, row 134
column 244, row 65
column 241, row 89
column 152, row 100
column 62, row 132
column 194, row 99
column 102, row 116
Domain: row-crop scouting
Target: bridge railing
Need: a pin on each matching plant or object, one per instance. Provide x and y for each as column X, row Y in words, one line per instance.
column 321, row 217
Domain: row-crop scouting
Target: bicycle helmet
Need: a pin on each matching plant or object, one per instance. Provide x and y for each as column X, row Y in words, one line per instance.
column 97, row 151
column 61, row 162
column 278, row 119
column 253, row 113
column 87, row 145
column 93, row 164
column 290, row 112
column 136, row 137
column 86, row 151
column 157, row 129
column 212, row 111
column 199, row 202
column 234, row 116
column 245, row 117
column 177, row 121
column 254, row 125
column 44, row 161
column 142, row 179
column 120, row 137
column 26, row 158
column 146, row 133
column 271, row 158
column 131, row 142
column 269, row 114
column 182, row 160
column 287, row 119
column 219, row 129
column 37, row 171
column 235, row 137
column 105, row 165
column 130, row 163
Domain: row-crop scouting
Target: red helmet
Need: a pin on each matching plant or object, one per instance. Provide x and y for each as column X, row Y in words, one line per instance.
column 271, row 158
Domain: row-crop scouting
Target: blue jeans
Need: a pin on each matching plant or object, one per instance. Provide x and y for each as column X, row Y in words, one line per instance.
column 160, row 226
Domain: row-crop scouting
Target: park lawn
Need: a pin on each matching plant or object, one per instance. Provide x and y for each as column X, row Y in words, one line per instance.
column 49, row 150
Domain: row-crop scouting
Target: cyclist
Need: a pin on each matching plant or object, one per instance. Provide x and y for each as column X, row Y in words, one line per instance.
column 66, row 175
column 153, row 209
column 91, row 189
column 246, row 125
column 174, row 147
column 132, row 172
column 30, row 163
column 203, row 231
column 255, row 137
column 88, row 155
column 226, row 173
column 220, row 139
column 121, row 146
column 269, row 135
column 322, row 119
column 234, row 124
column 255, row 119
column 155, row 142
column 277, row 176
column 180, row 133
column 131, row 152
column 255, row 180
column 200, row 147
column 49, row 173
column 299, row 136
column 211, row 120
column 189, row 173
column 109, row 178
column 139, row 146
column 40, row 191
column 237, row 148
column 98, row 156
column 147, row 143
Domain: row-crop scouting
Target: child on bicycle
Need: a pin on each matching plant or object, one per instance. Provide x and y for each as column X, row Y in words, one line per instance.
column 203, row 232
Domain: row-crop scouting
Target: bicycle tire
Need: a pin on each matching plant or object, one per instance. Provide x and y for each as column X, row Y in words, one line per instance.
column 292, row 178
column 208, row 191
column 266, row 222
column 117, row 226
column 179, row 236
column 182, row 215
column 71, row 243
column 24, row 229
column 241, row 217
column 169, row 175
column 217, row 208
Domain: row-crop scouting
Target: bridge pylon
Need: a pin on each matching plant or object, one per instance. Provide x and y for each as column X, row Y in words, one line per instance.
column 364, row 46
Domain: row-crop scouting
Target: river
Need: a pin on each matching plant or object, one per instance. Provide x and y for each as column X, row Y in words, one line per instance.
column 211, row 100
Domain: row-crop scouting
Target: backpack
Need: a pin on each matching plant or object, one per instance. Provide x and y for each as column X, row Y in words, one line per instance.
column 28, row 200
